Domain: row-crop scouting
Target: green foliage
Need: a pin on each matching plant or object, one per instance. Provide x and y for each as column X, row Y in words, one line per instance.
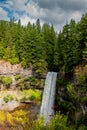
column 82, row 127
column 42, row 48
column 31, row 82
column 24, row 98
column 58, row 122
column 22, row 44
column 5, row 99
column 49, row 37
column 6, row 80
column 14, row 59
column 82, row 79
column 6, row 55
column 32, row 95
column 61, row 83
column 70, row 88
column 71, row 91
column 38, row 124
column 84, row 99
column 17, row 77
column 8, row 98
column 2, row 49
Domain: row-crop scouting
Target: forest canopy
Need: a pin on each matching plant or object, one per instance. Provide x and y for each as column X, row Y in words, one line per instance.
column 43, row 48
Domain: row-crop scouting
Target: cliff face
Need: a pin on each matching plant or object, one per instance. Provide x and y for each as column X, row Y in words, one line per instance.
column 16, row 101
column 71, row 95
column 9, row 70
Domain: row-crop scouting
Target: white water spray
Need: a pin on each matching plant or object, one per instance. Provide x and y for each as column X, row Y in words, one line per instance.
column 48, row 99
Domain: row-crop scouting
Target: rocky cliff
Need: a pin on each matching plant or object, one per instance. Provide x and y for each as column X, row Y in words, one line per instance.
column 9, row 70
column 6, row 68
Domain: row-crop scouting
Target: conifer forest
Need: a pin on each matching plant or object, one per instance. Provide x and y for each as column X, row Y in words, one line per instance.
column 65, row 52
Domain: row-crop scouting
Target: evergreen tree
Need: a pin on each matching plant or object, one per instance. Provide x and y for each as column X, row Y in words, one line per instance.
column 43, row 48
column 38, row 26
column 58, row 53
column 83, row 36
column 49, row 37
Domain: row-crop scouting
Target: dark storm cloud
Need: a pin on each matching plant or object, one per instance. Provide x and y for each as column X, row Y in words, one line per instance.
column 65, row 5
column 72, row 5
column 60, row 11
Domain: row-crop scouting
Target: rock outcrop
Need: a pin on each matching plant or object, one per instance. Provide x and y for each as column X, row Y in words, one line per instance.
column 6, row 68
column 9, row 70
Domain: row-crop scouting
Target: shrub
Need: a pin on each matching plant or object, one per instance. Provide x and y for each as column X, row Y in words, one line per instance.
column 6, row 80
column 8, row 98
column 15, row 118
column 61, row 82
column 24, row 98
column 84, row 99
column 22, row 86
column 38, row 124
column 58, row 122
column 35, row 95
column 32, row 97
column 17, row 77
column 14, row 60
column 71, row 91
column 11, row 97
column 33, row 81
column 82, row 127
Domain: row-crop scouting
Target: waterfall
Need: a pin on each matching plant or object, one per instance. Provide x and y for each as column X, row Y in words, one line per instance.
column 48, row 99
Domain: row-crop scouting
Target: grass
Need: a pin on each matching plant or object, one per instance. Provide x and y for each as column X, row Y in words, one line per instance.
column 33, row 95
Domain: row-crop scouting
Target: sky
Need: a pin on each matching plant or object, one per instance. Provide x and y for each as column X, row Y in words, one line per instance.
column 53, row 12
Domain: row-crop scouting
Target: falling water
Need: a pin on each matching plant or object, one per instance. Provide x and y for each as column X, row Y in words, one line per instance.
column 48, row 97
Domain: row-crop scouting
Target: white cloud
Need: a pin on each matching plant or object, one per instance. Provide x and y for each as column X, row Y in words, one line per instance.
column 34, row 10
column 55, row 12
column 25, row 19
column 3, row 14
column 75, row 15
